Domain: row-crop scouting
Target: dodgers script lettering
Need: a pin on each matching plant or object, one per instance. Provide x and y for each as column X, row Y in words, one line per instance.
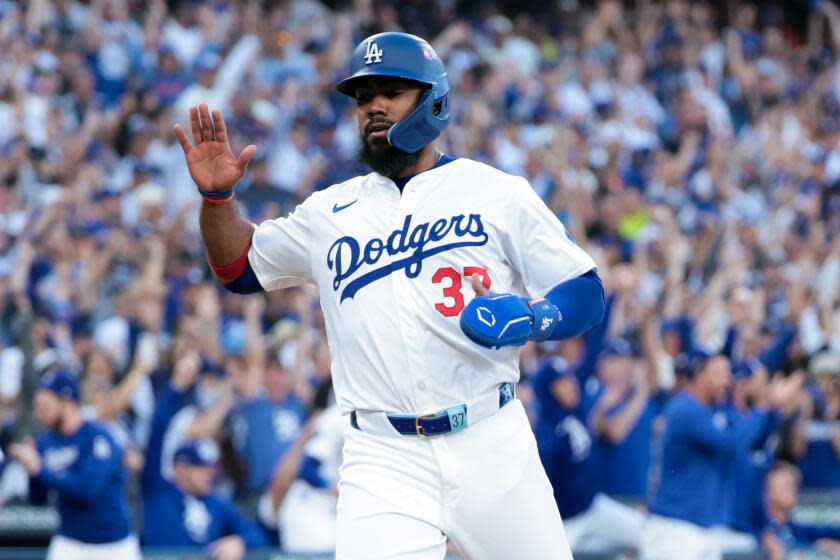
column 417, row 242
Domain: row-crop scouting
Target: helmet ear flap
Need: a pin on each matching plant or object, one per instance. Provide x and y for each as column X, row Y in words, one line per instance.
column 419, row 127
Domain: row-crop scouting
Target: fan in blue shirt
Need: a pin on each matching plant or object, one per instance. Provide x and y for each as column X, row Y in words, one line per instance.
column 183, row 513
column 79, row 461
column 266, row 424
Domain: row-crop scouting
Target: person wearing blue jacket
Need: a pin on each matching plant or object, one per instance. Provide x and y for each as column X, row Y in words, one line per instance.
column 183, row 513
column 566, row 395
column 700, row 443
column 82, row 464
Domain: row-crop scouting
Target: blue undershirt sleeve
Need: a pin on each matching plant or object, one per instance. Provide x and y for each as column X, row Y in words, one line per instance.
column 245, row 283
column 581, row 304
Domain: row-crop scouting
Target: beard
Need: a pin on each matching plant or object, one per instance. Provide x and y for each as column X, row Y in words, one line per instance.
column 385, row 159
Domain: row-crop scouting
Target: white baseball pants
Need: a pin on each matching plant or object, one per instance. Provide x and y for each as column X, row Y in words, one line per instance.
column 307, row 520
column 63, row 548
column 664, row 538
column 484, row 488
column 606, row 525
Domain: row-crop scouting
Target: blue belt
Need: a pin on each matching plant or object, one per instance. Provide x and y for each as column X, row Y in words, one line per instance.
column 452, row 419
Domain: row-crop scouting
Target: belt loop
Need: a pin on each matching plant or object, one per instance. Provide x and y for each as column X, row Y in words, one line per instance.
column 506, row 393
column 354, row 421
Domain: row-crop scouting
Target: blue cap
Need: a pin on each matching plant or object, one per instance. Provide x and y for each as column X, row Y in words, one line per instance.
column 62, row 383
column 196, row 453
column 400, row 55
column 207, row 60
column 617, row 348
column 690, row 364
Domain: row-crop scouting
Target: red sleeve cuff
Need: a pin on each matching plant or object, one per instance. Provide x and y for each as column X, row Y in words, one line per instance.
column 232, row 271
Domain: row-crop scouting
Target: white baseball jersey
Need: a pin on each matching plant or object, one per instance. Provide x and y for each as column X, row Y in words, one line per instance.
column 393, row 271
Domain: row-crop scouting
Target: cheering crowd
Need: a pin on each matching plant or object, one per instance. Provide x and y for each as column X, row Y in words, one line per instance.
column 694, row 152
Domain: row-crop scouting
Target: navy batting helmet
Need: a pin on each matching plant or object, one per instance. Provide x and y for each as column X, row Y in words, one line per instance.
column 400, row 55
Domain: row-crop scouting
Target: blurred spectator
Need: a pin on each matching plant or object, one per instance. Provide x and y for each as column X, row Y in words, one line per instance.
column 266, row 421
column 817, row 432
column 194, row 517
column 784, row 535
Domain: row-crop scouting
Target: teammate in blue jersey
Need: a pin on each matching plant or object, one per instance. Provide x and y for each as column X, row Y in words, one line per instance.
column 183, row 513
column 593, row 521
column 782, row 534
column 79, row 461
column 621, row 421
column 744, row 480
column 563, row 439
column 699, row 444
column 816, row 437
column 564, row 398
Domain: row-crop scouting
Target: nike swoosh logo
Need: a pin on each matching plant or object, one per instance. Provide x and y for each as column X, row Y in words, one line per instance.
column 337, row 208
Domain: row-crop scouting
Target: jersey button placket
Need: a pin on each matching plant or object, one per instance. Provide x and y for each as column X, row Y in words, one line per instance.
column 411, row 315
column 406, row 314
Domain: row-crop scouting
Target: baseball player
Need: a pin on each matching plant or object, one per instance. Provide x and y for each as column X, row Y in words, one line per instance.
column 699, row 446
column 82, row 463
column 567, row 397
column 439, row 448
column 748, row 467
column 783, row 534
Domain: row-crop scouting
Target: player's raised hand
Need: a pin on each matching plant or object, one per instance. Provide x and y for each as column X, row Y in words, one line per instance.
column 211, row 162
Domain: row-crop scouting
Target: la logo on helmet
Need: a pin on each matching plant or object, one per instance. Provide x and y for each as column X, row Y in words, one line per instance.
column 373, row 53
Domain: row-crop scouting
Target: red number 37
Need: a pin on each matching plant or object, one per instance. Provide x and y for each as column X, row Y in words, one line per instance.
column 453, row 290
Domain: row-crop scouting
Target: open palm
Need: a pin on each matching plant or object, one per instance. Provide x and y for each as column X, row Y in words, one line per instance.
column 211, row 162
